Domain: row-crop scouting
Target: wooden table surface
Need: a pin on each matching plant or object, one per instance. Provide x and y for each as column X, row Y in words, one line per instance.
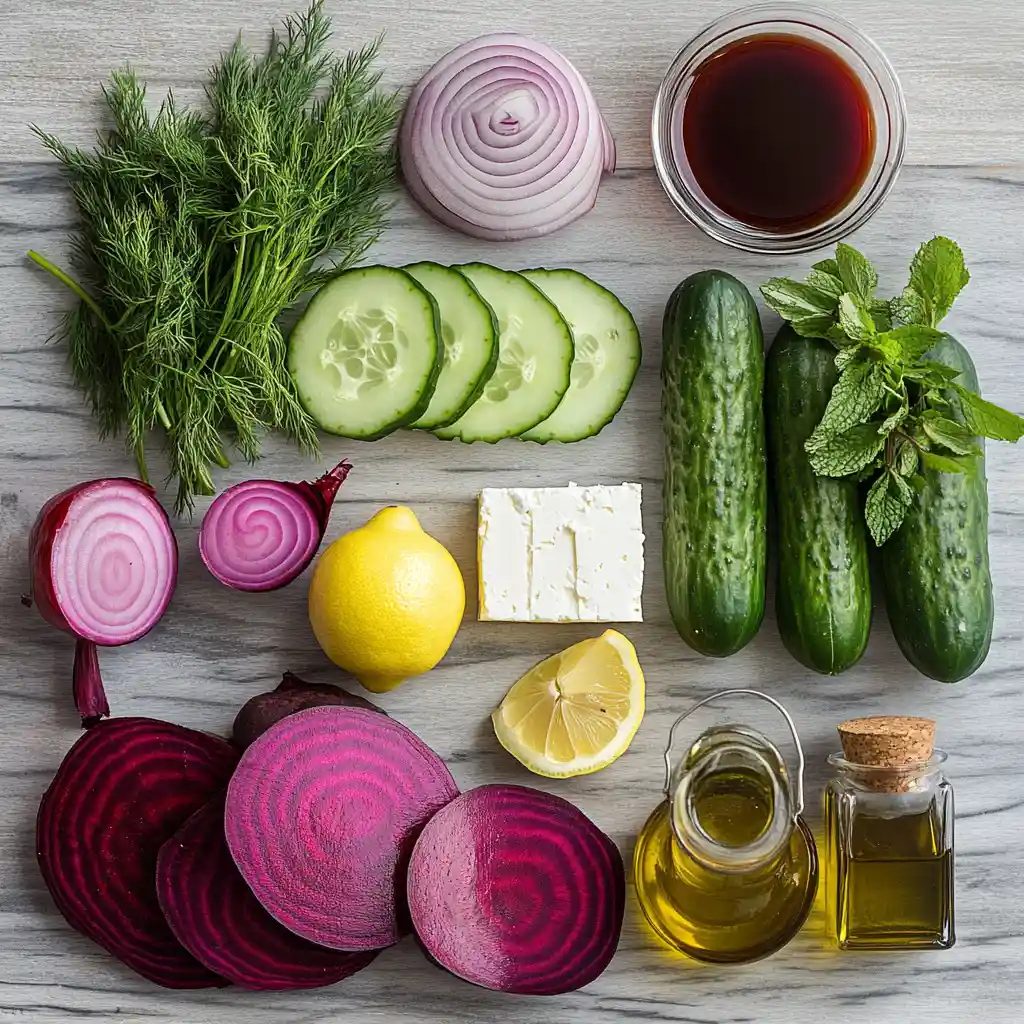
column 963, row 71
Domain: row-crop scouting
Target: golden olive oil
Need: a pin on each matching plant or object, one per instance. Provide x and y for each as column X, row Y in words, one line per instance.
column 706, row 909
column 890, row 870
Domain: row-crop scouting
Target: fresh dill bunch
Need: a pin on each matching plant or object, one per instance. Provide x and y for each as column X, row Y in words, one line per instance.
column 198, row 229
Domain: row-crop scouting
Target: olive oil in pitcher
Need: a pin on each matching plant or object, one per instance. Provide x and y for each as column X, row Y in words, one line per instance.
column 726, row 868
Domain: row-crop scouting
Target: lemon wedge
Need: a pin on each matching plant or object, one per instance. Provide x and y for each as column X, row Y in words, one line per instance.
column 575, row 712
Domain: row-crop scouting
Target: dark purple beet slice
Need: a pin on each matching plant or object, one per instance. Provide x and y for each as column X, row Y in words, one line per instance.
column 293, row 694
column 321, row 816
column 120, row 793
column 217, row 919
column 516, row 890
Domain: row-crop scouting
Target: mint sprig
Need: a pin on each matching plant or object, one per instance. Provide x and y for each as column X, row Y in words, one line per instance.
column 893, row 414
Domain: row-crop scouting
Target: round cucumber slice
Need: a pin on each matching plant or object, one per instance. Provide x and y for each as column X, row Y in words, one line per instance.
column 366, row 354
column 606, row 361
column 535, row 351
column 469, row 335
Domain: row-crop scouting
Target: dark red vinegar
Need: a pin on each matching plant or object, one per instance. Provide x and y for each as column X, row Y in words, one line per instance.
column 778, row 131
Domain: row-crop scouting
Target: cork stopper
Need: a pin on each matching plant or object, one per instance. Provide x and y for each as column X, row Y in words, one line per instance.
column 888, row 741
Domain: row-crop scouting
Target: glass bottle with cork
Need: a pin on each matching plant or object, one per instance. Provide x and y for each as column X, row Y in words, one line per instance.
column 889, row 837
column 725, row 867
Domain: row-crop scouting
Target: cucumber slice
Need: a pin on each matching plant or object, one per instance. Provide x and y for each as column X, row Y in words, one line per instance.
column 535, row 352
column 366, row 354
column 607, row 355
column 469, row 336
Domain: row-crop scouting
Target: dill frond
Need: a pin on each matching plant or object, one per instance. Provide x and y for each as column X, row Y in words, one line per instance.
column 198, row 230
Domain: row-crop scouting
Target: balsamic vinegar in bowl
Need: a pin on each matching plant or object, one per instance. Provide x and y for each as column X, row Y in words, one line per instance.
column 779, row 129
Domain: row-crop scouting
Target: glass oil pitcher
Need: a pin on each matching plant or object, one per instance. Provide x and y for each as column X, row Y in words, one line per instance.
column 726, row 868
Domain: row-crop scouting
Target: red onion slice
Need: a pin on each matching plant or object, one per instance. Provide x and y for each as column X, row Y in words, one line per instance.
column 103, row 563
column 261, row 534
column 502, row 139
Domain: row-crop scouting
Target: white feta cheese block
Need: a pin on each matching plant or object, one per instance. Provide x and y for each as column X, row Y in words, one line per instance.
column 560, row 554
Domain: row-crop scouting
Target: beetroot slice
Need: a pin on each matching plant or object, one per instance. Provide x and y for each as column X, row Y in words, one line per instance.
column 293, row 694
column 217, row 919
column 121, row 791
column 321, row 816
column 516, row 890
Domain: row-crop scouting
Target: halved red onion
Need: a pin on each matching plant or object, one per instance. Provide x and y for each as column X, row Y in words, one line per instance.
column 261, row 534
column 502, row 139
column 103, row 563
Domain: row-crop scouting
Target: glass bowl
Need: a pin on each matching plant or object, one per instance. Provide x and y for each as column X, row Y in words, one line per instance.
column 862, row 56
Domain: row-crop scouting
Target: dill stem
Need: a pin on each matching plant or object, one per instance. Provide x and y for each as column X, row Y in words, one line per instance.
column 161, row 414
column 221, row 459
column 140, row 461
column 229, row 306
column 41, row 261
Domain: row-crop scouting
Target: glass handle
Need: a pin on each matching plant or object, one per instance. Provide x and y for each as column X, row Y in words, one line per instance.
column 799, row 808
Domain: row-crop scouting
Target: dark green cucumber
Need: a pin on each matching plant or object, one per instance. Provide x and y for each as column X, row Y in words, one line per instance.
column 715, row 543
column 823, row 589
column 938, row 586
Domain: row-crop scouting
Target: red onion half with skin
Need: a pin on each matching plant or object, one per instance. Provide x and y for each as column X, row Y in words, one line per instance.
column 502, row 139
column 261, row 534
column 103, row 562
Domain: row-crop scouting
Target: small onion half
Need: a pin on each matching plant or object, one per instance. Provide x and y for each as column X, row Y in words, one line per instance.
column 103, row 563
column 261, row 534
column 502, row 139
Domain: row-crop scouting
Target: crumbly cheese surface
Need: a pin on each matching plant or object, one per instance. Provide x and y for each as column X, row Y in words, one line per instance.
column 561, row 554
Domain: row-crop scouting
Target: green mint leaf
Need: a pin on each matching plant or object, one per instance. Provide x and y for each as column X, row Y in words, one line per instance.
column 949, row 434
column 838, row 337
column 855, row 397
column 856, row 272
column 846, row 453
column 931, row 373
column 847, row 355
column 827, row 284
column 894, row 419
column 937, row 276
column 988, row 420
column 855, row 319
column 942, row 463
column 910, row 308
column 830, row 267
column 886, row 506
column 816, row 326
column 907, row 458
column 794, row 300
column 912, row 341
column 881, row 313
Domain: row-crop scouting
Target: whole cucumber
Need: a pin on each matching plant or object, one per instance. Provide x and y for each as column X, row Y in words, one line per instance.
column 715, row 493
column 823, row 589
column 938, row 586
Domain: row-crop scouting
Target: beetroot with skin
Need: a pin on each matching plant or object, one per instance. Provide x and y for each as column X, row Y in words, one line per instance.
column 321, row 816
column 217, row 919
column 518, row 891
column 120, row 793
column 293, row 694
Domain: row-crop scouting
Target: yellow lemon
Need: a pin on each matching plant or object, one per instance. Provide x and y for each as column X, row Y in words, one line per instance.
column 386, row 600
column 577, row 711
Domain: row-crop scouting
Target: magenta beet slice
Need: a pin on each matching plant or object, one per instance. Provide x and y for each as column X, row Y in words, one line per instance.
column 121, row 792
column 217, row 919
column 321, row 816
column 516, row 890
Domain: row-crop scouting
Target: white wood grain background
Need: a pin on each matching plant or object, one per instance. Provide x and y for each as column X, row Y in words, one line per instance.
column 962, row 65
